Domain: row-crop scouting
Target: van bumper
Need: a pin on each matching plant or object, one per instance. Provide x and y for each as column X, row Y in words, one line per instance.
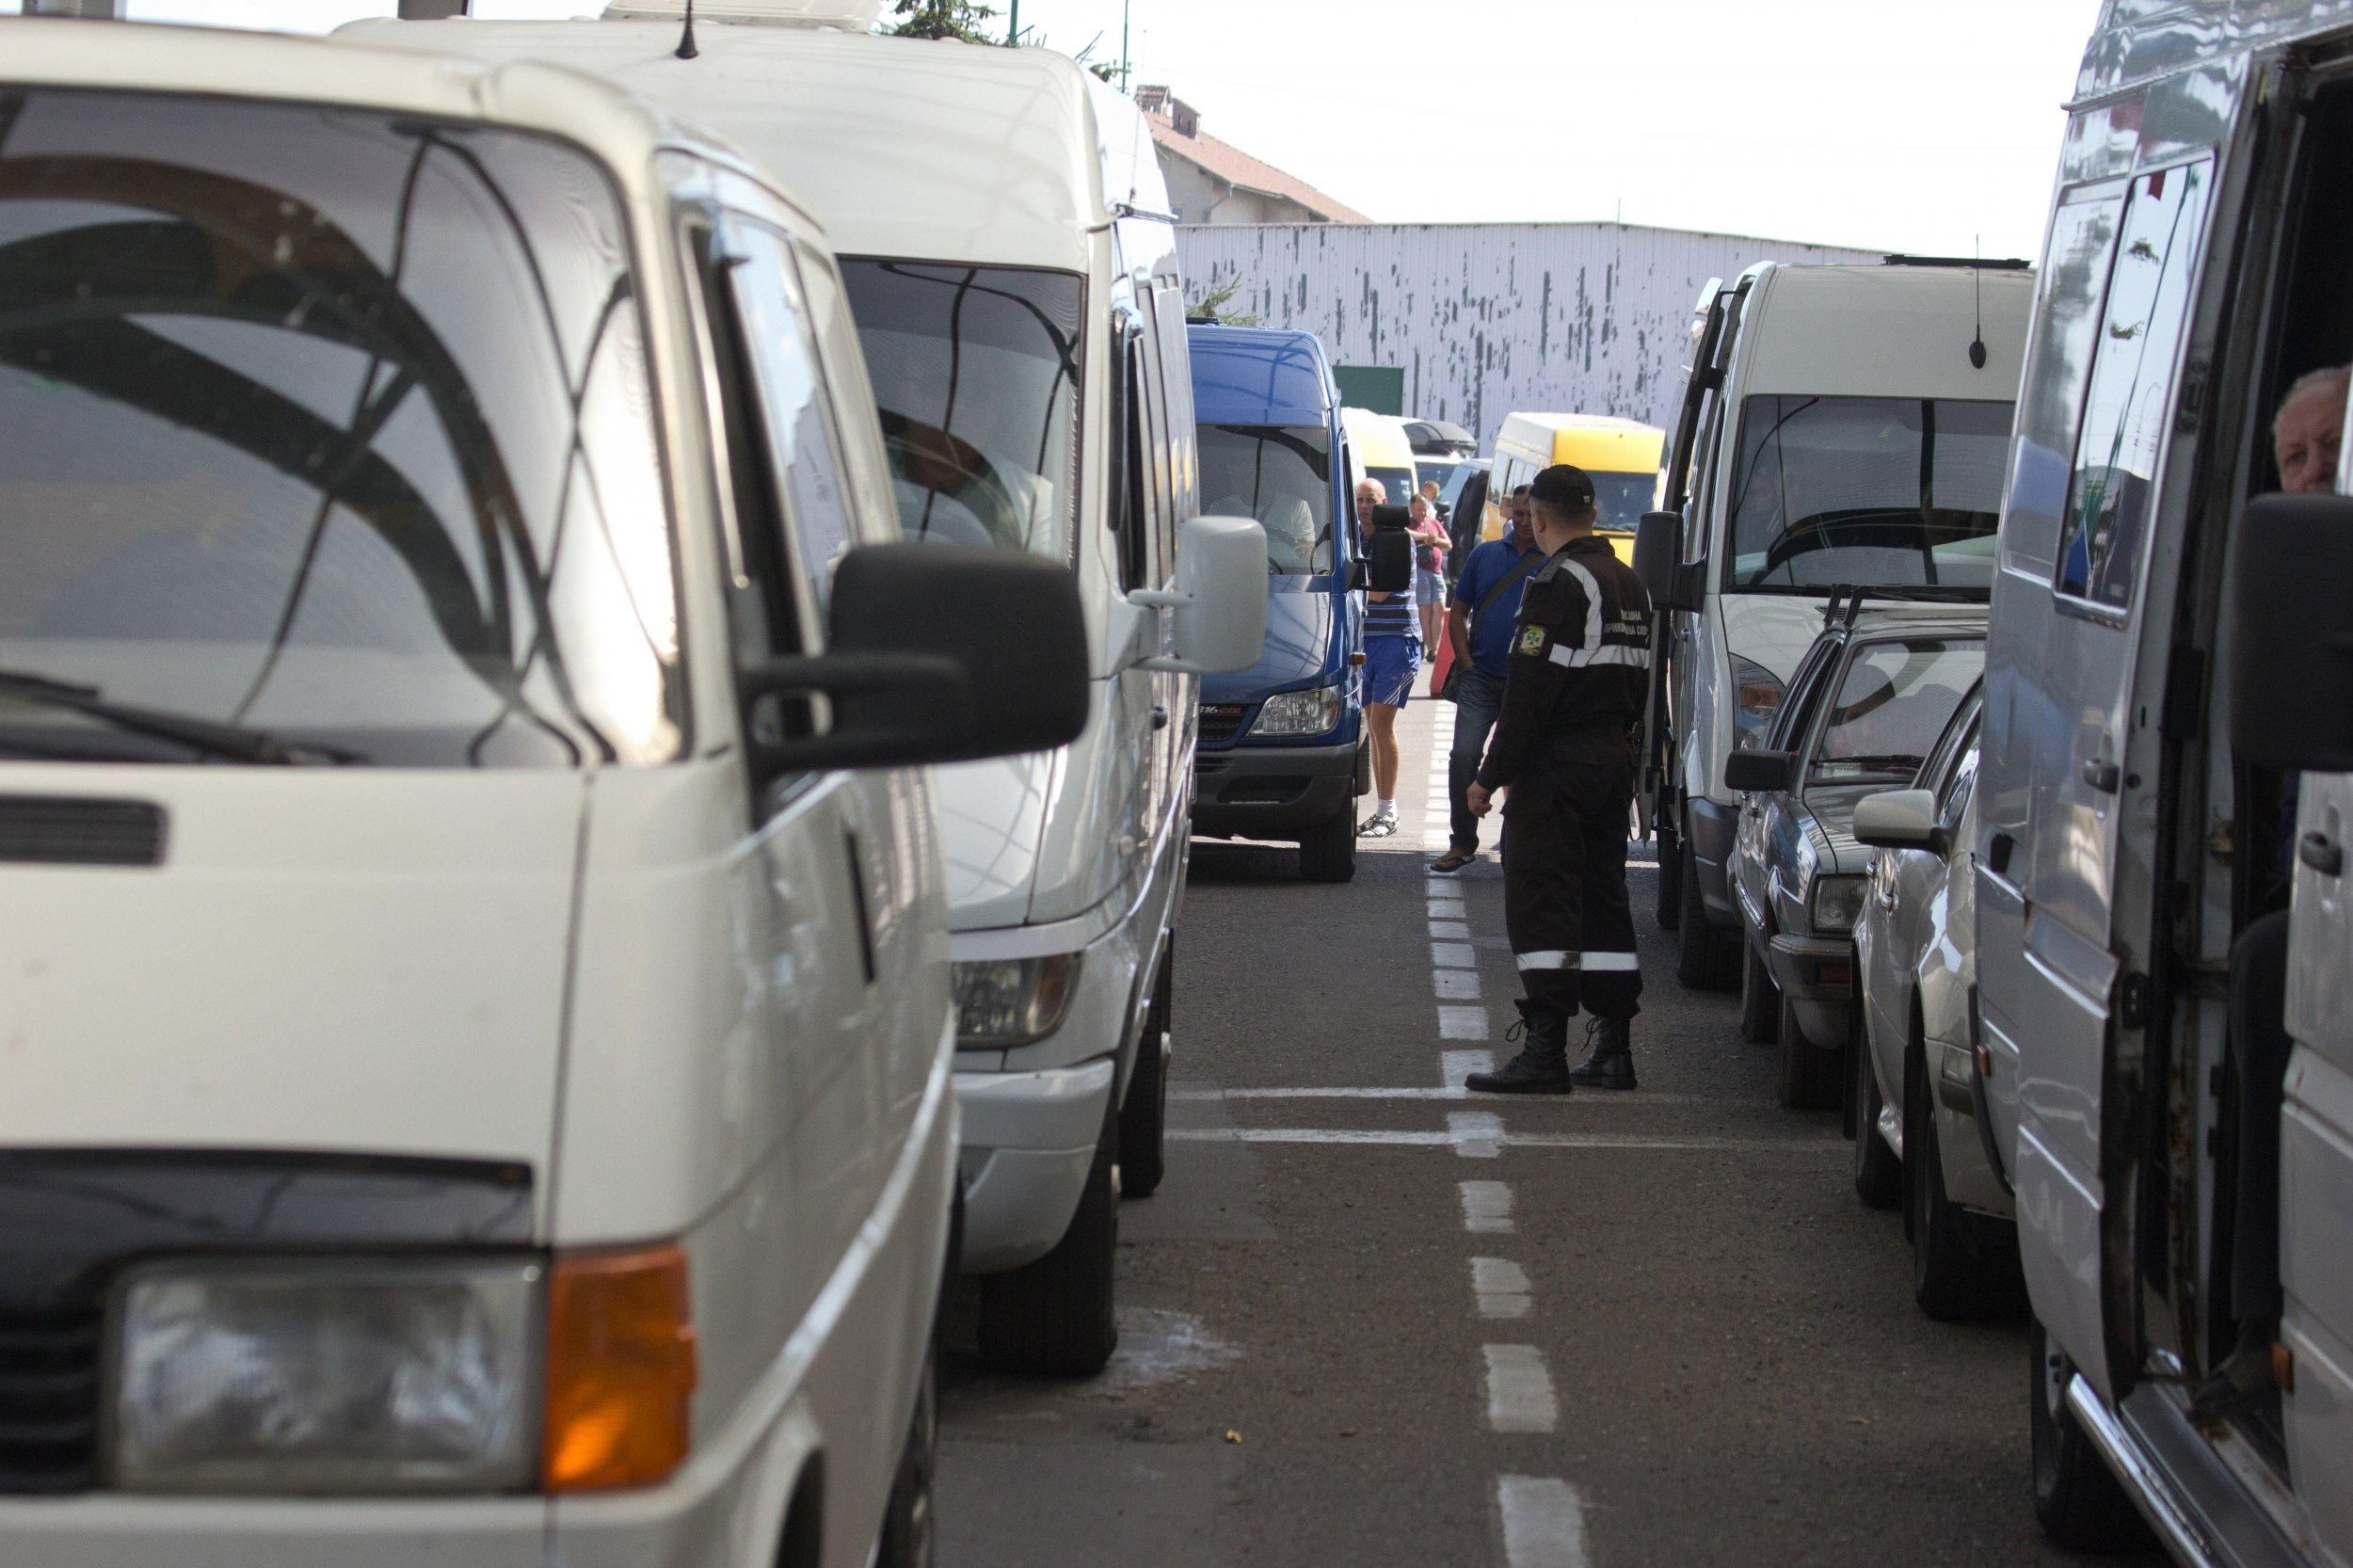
column 1713, row 828
column 1248, row 791
column 1816, row 975
column 1028, row 1139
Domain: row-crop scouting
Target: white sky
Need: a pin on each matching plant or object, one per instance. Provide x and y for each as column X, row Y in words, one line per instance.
column 1908, row 124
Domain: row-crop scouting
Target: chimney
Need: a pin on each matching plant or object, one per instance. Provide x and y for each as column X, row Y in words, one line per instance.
column 1153, row 101
column 1184, row 117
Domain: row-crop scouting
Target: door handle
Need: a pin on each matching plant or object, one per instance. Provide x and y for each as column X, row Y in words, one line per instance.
column 2321, row 853
column 2101, row 775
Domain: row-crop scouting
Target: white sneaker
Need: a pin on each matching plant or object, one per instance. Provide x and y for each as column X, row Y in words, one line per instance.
column 1381, row 825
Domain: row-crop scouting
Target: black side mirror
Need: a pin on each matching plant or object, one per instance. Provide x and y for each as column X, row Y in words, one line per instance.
column 1765, row 771
column 2291, row 649
column 1658, row 550
column 1389, row 555
column 937, row 653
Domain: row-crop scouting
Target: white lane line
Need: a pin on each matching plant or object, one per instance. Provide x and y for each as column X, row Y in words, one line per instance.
column 1447, row 908
column 1456, row 1065
column 1486, row 1145
column 1519, row 1389
column 1450, row 931
column 1307, row 1135
column 1440, row 836
column 1452, row 955
column 1544, row 1522
column 1463, row 1023
column 1475, row 1134
column 1456, row 985
column 1443, row 887
column 1486, row 1208
column 1502, row 1288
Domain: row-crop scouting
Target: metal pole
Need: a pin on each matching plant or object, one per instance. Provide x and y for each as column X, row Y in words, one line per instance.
column 1124, row 6
column 95, row 10
column 1012, row 26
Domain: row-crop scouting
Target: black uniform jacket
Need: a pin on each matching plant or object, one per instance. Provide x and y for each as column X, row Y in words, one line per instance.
column 1580, row 661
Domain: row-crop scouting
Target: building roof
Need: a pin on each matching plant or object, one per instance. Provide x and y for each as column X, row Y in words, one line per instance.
column 1236, row 167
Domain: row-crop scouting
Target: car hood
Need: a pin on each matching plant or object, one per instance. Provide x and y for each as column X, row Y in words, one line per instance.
column 1831, row 807
column 992, row 824
column 1298, row 643
column 1776, row 630
column 343, row 960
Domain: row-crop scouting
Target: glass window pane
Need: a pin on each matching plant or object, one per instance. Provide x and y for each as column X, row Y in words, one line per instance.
column 791, row 401
column 1894, row 702
column 1281, row 476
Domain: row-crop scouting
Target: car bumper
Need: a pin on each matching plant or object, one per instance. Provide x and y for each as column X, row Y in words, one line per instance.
column 1028, row 1139
column 1816, row 975
column 1713, row 828
column 1251, row 791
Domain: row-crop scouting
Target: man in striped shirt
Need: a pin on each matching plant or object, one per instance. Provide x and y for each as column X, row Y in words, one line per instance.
column 1392, row 659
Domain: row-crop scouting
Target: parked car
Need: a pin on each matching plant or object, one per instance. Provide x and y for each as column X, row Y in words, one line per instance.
column 1865, row 708
column 1620, row 455
column 2162, row 924
column 1024, row 337
column 1914, row 1093
column 1462, row 493
column 478, row 1072
column 1820, row 398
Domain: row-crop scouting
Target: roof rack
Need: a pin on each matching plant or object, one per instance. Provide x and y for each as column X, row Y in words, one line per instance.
column 1990, row 264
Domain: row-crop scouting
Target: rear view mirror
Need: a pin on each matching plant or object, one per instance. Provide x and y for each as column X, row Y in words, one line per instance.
column 1389, row 566
column 2291, row 649
column 1219, row 604
column 1758, row 770
column 937, row 653
column 1657, row 548
column 1900, row 819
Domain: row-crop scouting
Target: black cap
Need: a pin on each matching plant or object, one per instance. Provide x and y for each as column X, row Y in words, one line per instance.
column 1563, row 485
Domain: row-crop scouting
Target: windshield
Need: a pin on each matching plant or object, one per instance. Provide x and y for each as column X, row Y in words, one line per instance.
column 1281, row 476
column 1623, row 498
column 1893, row 704
column 326, row 423
column 975, row 371
column 1397, row 482
column 1871, row 491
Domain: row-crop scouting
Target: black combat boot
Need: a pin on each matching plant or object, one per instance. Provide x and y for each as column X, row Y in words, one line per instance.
column 1609, row 1063
column 1542, row 1068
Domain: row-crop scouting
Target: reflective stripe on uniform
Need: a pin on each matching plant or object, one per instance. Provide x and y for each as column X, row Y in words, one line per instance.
column 1591, row 963
column 1594, row 962
column 1581, row 658
column 1593, row 603
column 1550, row 960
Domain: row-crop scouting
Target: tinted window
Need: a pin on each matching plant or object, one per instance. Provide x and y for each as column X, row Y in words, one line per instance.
column 1877, row 492
column 1280, row 474
column 783, row 364
column 331, row 423
column 1623, row 498
column 1892, row 703
column 975, row 371
column 1397, row 482
column 2130, row 402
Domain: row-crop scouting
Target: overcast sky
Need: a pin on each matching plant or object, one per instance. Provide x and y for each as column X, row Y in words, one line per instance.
column 1894, row 123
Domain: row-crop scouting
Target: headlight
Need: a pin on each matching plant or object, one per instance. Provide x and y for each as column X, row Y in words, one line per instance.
column 1837, row 900
column 1756, row 696
column 1312, row 713
column 1012, row 1001
column 292, row 1375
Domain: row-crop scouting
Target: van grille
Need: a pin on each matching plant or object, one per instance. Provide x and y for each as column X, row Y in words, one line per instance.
column 1221, row 722
column 50, row 830
column 48, row 1403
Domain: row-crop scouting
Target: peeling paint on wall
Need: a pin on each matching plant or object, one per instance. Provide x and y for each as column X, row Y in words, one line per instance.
column 1602, row 325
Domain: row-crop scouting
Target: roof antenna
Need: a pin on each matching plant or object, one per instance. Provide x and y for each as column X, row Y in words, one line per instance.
column 686, row 50
column 1976, row 348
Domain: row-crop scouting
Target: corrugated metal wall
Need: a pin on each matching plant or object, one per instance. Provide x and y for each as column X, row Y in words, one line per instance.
column 1491, row 317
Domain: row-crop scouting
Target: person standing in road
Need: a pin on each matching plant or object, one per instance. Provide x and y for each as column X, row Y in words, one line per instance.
column 1430, row 546
column 1392, row 657
column 1563, row 747
column 1480, row 622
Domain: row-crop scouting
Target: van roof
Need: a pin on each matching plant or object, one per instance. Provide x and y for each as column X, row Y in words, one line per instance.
column 1380, row 438
column 2148, row 39
column 1869, row 330
column 1599, row 443
column 905, row 147
column 1259, row 376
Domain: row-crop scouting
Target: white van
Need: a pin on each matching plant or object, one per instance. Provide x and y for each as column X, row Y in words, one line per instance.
column 2164, row 955
column 1011, row 267
column 1843, row 427
column 478, row 1068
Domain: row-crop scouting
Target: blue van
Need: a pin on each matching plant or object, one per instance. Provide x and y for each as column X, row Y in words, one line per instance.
column 1282, row 751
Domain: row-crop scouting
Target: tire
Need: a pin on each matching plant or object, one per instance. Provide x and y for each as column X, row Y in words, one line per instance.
column 1760, row 1000
column 1054, row 1316
column 1669, row 884
column 1143, row 1118
column 1879, row 1176
column 910, row 1533
column 1328, row 853
column 1964, row 1266
column 1812, row 1079
column 1706, row 959
column 2077, row 1500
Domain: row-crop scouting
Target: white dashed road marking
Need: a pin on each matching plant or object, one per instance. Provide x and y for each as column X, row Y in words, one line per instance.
column 1456, row 1065
column 1492, row 1140
column 1502, row 1288
column 1519, row 1390
column 1463, row 1023
column 1452, row 955
column 1457, row 985
column 1487, row 1208
column 1544, row 1523
column 1476, row 1134
column 1450, row 931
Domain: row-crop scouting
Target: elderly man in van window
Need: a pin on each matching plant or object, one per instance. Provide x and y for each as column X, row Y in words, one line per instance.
column 2305, row 432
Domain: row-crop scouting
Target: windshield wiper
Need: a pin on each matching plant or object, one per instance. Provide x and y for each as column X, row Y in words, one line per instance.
column 237, row 742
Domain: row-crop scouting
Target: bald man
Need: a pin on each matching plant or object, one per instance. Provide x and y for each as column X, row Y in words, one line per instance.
column 2305, row 432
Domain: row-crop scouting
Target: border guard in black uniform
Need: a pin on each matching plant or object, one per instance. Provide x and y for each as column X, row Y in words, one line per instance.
column 1565, row 750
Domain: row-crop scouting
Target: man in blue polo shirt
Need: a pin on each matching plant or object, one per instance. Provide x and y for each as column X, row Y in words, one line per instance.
column 1479, row 620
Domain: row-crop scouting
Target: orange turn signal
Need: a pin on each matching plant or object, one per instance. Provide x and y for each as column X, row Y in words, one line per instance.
column 621, row 1369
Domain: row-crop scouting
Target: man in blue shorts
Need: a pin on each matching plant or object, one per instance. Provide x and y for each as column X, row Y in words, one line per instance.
column 1392, row 659
column 1486, row 602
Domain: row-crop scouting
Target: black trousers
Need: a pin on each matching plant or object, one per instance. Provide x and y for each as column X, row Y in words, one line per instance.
column 1565, row 899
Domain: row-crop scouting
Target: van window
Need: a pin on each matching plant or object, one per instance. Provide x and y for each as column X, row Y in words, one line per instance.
column 1132, row 483
column 331, row 423
column 1282, row 475
column 1622, row 498
column 2130, row 403
column 975, row 371
column 1894, row 702
column 1878, row 491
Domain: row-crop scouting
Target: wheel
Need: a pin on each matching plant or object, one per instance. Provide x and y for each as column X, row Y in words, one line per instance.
column 1143, row 1119
column 910, row 1535
column 1760, row 1001
column 1811, row 1077
column 1879, row 1176
column 1964, row 1266
column 1706, row 959
column 2076, row 1497
column 1669, row 884
column 1054, row 1316
column 1328, row 853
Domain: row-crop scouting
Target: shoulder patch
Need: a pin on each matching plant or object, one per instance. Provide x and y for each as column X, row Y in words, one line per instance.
column 1531, row 639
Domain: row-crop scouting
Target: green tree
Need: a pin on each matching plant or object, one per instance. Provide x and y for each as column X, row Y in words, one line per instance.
column 1213, row 301
column 957, row 19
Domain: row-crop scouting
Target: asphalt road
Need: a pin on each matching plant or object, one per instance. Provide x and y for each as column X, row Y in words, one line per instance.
column 1686, row 1344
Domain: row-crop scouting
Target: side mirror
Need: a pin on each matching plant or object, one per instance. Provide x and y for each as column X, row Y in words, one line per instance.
column 1765, row 771
column 1219, row 604
column 2291, row 649
column 1658, row 550
column 1900, row 819
column 1389, row 568
column 935, row 653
